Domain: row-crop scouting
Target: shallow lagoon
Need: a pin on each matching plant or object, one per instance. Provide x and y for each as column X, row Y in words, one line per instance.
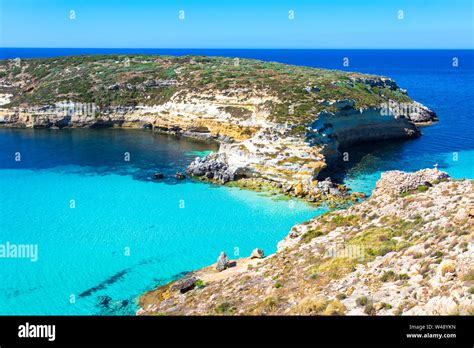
column 126, row 233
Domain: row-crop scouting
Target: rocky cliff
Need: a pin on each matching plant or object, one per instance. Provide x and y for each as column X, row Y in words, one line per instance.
column 408, row 249
column 279, row 125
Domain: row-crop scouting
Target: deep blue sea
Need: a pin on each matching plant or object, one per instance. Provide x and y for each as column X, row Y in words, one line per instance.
column 127, row 234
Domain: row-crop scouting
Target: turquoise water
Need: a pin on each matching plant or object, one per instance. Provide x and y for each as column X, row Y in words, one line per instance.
column 82, row 250
column 126, row 234
column 363, row 176
column 199, row 153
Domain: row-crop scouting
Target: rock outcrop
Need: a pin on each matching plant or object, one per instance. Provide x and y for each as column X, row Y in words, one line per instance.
column 402, row 251
column 257, row 254
column 396, row 182
column 213, row 166
column 222, row 262
column 184, row 285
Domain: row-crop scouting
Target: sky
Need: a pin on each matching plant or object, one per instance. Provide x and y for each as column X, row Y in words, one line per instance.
column 237, row 23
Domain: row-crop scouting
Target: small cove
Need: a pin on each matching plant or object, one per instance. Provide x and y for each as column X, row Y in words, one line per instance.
column 126, row 233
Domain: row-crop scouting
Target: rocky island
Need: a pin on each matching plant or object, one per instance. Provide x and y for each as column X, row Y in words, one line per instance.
column 278, row 125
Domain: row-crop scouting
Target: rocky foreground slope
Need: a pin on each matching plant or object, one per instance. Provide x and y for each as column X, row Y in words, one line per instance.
column 278, row 125
column 408, row 249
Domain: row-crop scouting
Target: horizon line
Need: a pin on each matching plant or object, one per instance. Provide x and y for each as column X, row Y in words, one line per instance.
column 242, row 48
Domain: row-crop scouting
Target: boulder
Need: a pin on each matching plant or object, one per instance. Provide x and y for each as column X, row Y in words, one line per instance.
column 184, row 285
column 180, row 176
column 257, row 254
column 222, row 262
column 461, row 215
column 327, row 187
column 293, row 235
column 396, row 182
column 299, row 190
column 212, row 166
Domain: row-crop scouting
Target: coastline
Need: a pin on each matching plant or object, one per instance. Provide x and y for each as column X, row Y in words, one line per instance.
column 257, row 152
column 305, row 274
column 273, row 130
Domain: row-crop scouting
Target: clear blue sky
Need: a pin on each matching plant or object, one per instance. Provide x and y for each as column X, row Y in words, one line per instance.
column 237, row 24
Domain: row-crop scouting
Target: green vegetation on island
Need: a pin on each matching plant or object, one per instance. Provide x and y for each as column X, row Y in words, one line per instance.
column 130, row 80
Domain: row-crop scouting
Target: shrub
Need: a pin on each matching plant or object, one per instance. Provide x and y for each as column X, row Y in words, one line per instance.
column 311, row 306
column 391, row 276
column 422, row 188
column 468, row 276
column 270, row 304
column 388, row 276
column 448, row 267
column 335, row 308
column 16, row 70
column 350, row 220
column 403, row 276
column 369, row 308
column 361, row 301
column 337, row 267
column 312, row 234
column 199, row 284
column 224, row 307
